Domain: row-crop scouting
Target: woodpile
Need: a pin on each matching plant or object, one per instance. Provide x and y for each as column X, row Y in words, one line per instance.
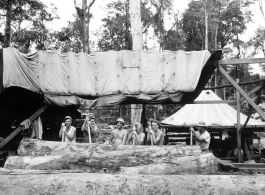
column 24, row 182
column 97, row 158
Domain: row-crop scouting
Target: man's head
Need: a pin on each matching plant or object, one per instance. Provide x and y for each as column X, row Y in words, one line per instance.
column 138, row 127
column 120, row 123
column 155, row 124
column 202, row 126
column 68, row 120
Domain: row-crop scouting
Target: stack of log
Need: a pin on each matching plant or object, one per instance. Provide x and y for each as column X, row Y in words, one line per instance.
column 98, row 158
column 61, row 168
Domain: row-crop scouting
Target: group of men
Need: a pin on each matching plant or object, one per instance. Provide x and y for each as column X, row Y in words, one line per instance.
column 120, row 136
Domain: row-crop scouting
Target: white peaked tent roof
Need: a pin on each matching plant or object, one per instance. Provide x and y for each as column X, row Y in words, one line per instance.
column 211, row 114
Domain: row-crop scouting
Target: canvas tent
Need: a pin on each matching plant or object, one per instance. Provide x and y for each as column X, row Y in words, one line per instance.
column 213, row 114
column 108, row 78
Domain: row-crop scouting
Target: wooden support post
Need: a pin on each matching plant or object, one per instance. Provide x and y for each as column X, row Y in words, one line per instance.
column 241, row 91
column 238, row 124
column 251, row 111
column 17, row 130
column 259, row 144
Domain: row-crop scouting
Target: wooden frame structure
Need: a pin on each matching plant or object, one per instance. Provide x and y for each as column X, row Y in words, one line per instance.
column 240, row 91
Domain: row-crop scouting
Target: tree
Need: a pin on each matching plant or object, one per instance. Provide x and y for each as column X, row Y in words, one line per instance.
column 26, row 23
column 227, row 19
column 17, row 11
column 84, row 17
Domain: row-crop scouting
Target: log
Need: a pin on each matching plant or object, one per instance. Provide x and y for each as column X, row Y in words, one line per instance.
column 200, row 164
column 35, row 147
column 22, row 183
column 95, row 158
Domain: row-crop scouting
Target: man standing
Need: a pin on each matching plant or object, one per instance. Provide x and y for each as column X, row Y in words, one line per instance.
column 119, row 135
column 138, row 135
column 202, row 136
column 155, row 135
column 90, row 125
column 67, row 131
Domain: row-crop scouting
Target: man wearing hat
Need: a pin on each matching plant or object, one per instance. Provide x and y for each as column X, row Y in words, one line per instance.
column 119, row 135
column 67, row 131
column 202, row 136
column 90, row 125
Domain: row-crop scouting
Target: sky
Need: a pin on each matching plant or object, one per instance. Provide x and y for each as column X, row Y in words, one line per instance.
column 66, row 10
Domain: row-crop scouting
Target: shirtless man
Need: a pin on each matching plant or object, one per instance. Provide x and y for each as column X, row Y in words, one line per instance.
column 119, row 135
column 67, row 131
column 155, row 135
column 137, row 135
column 89, row 124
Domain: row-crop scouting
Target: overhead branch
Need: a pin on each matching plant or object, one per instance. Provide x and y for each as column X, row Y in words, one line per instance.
column 91, row 3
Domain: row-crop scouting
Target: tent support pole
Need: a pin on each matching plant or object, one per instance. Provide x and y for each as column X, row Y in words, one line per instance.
column 17, row 130
column 238, row 124
column 241, row 91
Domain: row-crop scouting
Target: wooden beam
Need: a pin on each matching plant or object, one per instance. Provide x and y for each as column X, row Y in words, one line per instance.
column 238, row 123
column 17, row 130
column 242, row 61
column 241, row 91
column 250, row 112
column 229, row 85
column 211, row 102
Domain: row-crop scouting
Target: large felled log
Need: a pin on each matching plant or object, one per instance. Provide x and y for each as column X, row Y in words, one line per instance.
column 34, row 147
column 199, row 164
column 34, row 182
column 122, row 159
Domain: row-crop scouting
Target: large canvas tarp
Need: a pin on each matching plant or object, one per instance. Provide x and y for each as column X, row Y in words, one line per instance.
column 103, row 73
column 211, row 114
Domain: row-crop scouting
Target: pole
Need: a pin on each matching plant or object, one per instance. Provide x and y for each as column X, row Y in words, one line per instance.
column 191, row 139
column 88, row 129
column 238, row 123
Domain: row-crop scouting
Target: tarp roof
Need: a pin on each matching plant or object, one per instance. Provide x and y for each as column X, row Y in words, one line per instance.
column 212, row 114
column 108, row 78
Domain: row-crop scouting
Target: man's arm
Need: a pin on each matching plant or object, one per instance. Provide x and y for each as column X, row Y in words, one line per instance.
column 124, row 137
column 93, row 129
column 159, row 137
column 112, row 136
column 196, row 136
column 148, row 136
column 137, row 140
column 83, row 128
column 61, row 130
column 129, row 137
column 70, row 136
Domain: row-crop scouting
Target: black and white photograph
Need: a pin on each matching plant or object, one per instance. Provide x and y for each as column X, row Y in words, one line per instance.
column 132, row 97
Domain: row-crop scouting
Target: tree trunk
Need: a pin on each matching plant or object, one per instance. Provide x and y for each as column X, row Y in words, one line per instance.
column 19, row 183
column 137, row 45
column 47, row 155
column 7, row 40
column 206, row 24
column 35, row 147
column 205, row 164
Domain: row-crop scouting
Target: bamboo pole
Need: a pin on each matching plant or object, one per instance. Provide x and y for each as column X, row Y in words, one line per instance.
column 238, row 123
